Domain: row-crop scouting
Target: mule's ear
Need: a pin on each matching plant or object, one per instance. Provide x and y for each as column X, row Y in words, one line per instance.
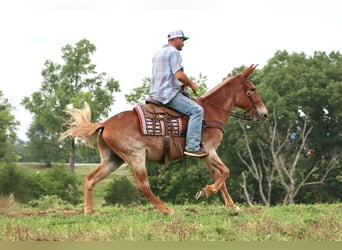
column 248, row 71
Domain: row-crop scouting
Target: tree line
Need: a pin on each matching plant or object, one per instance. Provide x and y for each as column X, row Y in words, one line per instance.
column 295, row 157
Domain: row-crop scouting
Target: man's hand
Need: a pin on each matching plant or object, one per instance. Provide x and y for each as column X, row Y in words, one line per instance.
column 193, row 86
column 183, row 78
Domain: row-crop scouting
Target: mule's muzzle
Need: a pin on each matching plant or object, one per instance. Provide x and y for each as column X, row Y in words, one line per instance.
column 260, row 116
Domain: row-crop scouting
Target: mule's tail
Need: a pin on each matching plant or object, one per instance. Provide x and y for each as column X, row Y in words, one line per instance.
column 80, row 126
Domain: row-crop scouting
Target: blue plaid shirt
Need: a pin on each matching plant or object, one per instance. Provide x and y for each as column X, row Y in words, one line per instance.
column 164, row 85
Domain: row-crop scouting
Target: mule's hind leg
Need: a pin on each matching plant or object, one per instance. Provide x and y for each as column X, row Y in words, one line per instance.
column 109, row 163
column 139, row 170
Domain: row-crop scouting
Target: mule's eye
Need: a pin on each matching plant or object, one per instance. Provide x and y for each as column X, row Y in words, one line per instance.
column 250, row 91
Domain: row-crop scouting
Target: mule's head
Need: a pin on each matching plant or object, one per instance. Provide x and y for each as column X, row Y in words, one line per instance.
column 248, row 98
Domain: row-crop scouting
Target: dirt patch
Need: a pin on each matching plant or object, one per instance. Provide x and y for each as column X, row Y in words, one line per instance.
column 47, row 212
column 256, row 210
column 10, row 208
column 21, row 213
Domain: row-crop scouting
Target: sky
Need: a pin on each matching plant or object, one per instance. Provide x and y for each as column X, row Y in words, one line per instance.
column 127, row 33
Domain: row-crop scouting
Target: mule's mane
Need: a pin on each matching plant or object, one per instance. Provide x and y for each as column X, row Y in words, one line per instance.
column 218, row 86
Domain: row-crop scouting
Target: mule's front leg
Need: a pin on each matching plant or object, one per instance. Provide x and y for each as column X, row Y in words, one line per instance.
column 210, row 189
column 219, row 178
column 220, row 172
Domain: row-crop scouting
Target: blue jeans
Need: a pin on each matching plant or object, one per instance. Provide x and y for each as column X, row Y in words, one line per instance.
column 195, row 113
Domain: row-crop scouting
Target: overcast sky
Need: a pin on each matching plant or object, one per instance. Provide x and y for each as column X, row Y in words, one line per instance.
column 223, row 35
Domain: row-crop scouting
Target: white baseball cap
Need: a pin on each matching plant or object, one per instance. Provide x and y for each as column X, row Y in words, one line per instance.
column 176, row 34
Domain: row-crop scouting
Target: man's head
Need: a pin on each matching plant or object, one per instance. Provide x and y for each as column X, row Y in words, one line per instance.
column 176, row 38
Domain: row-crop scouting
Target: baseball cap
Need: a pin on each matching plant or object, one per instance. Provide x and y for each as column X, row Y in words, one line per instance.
column 175, row 34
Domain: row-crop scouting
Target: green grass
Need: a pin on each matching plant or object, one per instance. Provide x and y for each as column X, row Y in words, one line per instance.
column 190, row 223
column 197, row 222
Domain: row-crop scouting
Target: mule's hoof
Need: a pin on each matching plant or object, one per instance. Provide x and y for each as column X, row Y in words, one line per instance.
column 89, row 211
column 167, row 211
column 200, row 194
column 235, row 210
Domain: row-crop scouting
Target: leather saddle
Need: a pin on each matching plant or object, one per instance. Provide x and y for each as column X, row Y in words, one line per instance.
column 158, row 120
column 156, row 110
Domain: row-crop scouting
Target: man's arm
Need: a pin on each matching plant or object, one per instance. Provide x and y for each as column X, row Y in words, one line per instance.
column 183, row 78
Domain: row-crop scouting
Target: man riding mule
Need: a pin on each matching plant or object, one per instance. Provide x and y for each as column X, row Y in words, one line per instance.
column 120, row 139
column 167, row 70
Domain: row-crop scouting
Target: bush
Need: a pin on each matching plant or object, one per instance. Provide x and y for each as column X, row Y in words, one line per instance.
column 179, row 185
column 122, row 191
column 60, row 182
column 49, row 202
column 9, row 178
column 26, row 185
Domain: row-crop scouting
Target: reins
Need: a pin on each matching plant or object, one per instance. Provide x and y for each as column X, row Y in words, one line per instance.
column 234, row 114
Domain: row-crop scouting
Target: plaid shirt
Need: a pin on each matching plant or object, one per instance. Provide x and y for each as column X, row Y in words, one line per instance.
column 166, row 63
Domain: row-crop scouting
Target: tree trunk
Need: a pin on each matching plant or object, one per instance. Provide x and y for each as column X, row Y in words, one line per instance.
column 72, row 155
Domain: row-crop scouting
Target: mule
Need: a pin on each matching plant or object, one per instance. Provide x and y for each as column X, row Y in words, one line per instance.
column 120, row 140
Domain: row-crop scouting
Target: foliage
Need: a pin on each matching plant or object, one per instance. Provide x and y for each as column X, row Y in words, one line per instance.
column 122, row 191
column 10, row 179
column 178, row 184
column 277, row 163
column 302, row 86
column 28, row 185
column 8, row 126
column 46, row 202
column 139, row 94
column 60, row 182
column 64, row 86
column 43, row 146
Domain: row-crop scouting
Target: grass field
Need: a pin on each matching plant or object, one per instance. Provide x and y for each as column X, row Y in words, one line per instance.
column 191, row 222
column 197, row 222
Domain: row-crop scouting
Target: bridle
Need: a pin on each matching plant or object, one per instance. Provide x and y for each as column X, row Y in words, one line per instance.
column 244, row 116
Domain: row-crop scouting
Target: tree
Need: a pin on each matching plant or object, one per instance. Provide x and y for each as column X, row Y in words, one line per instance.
column 303, row 86
column 8, row 126
column 282, row 161
column 65, row 86
column 139, row 94
column 43, row 145
column 308, row 88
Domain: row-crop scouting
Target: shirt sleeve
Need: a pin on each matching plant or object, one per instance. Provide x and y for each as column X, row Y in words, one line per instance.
column 175, row 61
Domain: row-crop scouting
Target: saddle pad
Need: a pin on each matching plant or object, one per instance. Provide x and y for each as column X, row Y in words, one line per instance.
column 149, row 126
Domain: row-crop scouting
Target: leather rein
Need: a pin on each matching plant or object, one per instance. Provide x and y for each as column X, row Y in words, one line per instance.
column 244, row 116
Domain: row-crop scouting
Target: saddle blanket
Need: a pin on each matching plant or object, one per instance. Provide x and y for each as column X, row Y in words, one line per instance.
column 156, row 126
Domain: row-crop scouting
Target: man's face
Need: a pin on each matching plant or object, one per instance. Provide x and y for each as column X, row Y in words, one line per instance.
column 179, row 43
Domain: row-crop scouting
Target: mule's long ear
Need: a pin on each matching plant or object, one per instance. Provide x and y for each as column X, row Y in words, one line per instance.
column 248, row 71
